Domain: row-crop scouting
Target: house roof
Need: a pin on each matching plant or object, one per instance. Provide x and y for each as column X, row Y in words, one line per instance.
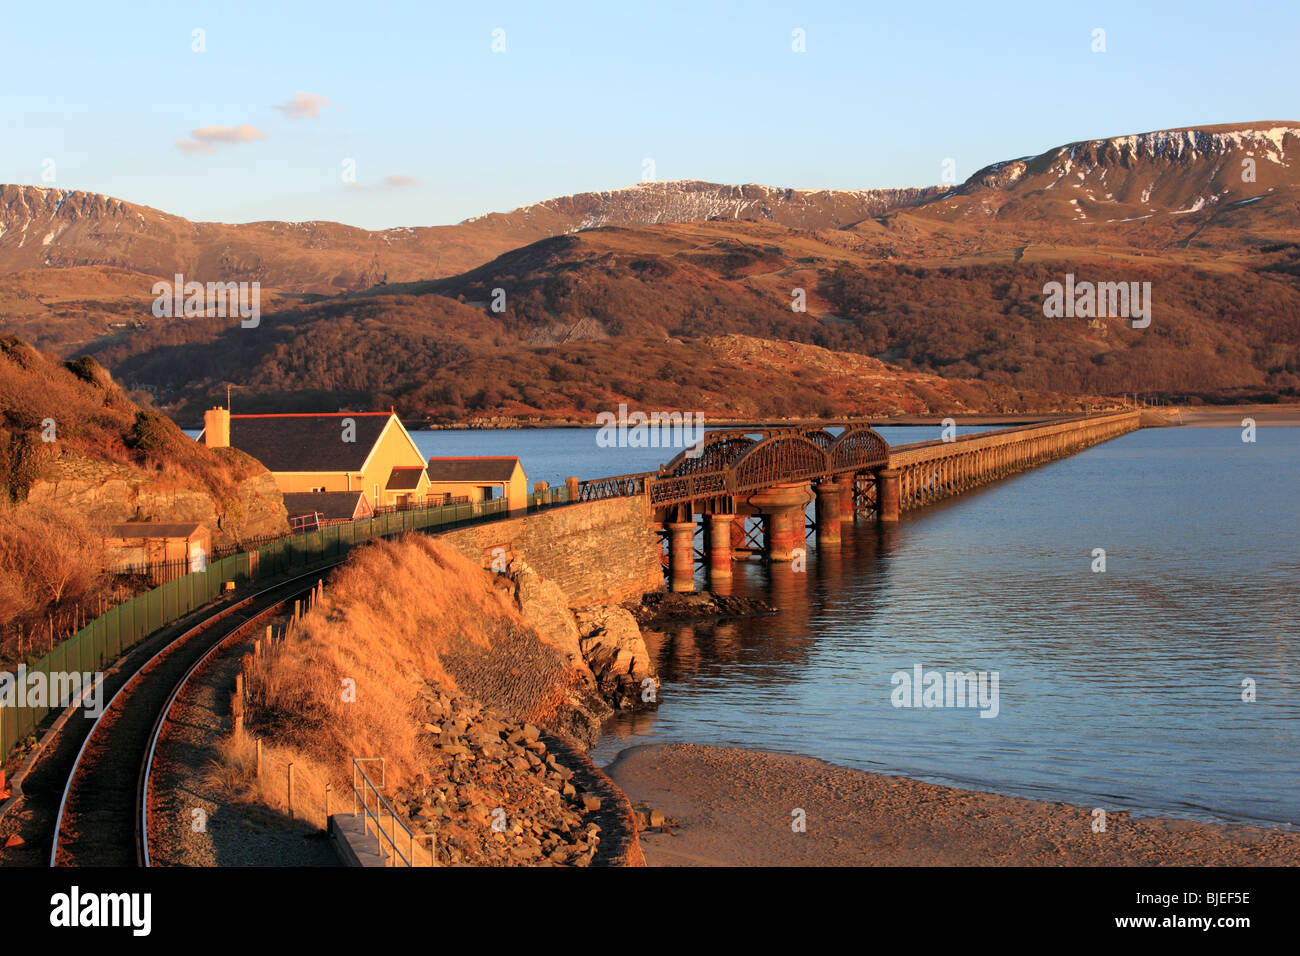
column 152, row 529
column 471, row 470
column 330, row 504
column 404, row 478
column 309, row 442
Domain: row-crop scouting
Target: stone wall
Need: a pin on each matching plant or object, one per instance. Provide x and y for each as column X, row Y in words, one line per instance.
column 112, row 494
column 598, row 552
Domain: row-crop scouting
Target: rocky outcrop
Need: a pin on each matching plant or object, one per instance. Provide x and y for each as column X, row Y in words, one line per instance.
column 666, row 607
column 615, row 651
column 603, row 642
column 482, row 721
column 105, row 494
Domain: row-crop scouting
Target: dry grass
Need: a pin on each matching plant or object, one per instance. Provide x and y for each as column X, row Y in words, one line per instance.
column 51, row 576
column 73, row 420
column 398, row 616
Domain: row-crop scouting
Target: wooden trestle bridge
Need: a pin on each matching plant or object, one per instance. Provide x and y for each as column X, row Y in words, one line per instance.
column 751, row 486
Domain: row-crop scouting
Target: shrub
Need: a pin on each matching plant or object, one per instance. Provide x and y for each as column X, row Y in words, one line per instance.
column 149, row 432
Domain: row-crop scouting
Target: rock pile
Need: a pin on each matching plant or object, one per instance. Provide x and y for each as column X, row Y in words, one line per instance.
column 493, row 795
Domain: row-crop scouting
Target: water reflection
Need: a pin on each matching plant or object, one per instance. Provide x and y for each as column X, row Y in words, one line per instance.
column 1119, row 689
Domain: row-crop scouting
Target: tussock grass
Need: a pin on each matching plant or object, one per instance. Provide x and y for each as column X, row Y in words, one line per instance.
column 352, row 678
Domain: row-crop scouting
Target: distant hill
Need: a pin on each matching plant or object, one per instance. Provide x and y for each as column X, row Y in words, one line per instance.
column 630, row 292
column 1133, row 178
column 42, row 228
column 77, row 267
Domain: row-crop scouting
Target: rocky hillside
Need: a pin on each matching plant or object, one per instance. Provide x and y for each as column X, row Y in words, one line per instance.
column 702, row 316
column 656, row 316
column 76, row 454
column 479, row 691
column 649, row 204
column 926, row 284
column 44, row 228
column 1203, row 186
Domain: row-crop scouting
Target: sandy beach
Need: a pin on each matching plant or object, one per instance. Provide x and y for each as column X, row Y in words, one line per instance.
column 1230, row 416
column 735, row 807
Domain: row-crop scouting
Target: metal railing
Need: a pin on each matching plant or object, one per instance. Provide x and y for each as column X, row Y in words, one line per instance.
column 363, row 788
column 617, row 486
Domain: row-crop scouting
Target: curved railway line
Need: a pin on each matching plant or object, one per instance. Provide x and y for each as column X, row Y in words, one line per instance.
column 102, row 818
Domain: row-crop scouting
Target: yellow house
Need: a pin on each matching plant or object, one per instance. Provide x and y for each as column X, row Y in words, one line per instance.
column 478, row 479
column 369, row 452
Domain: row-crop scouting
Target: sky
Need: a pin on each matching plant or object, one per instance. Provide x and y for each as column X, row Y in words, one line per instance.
column 382, row 114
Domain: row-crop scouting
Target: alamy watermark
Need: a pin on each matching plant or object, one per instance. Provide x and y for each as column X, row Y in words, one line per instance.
column 1100, row 300
column 921, row 688
column 55, row 690
column 123, row 910
column 653, row 430
column 217, row 299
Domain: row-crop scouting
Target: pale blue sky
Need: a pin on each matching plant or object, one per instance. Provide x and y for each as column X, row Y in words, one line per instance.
column 585, row 92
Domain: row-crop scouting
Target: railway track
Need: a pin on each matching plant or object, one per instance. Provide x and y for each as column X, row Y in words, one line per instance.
column 103, row 814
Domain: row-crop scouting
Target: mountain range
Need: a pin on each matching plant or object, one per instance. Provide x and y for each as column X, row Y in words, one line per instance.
column 740, row 300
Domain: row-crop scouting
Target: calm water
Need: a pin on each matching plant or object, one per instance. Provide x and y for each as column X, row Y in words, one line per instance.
column 1119, row 689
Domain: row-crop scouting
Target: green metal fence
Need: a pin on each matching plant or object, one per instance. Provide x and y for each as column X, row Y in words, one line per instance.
column 104, row 639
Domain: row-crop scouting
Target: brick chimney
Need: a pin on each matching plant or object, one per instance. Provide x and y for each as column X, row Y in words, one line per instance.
column 216, row 427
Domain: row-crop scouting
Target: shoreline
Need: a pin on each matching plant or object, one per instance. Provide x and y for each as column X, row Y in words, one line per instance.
column 1204, row 416
column 1230, row 416
column 1200, row 416
column 737, row 807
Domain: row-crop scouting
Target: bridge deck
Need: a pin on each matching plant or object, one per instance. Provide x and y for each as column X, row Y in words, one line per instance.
column 733, row 463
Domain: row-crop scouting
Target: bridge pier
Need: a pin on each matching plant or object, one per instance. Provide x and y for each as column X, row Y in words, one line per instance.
column 887, row 494
column 681, row 556
column 829, row 498
column 782, row 507
column 768, row 472
column 846, row 500
column 720, row 546
column 781, row 535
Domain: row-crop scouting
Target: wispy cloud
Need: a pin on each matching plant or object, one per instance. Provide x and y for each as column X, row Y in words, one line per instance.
column 304, row 106
column 391, row 181
column 206, row 138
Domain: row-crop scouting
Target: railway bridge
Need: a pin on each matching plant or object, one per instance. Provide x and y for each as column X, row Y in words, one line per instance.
column 746, row 490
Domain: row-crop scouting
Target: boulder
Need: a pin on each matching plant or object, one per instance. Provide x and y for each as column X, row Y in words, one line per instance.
column 615, row 651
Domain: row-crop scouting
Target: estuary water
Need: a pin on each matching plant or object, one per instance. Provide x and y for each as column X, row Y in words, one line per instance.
column 1120, row 688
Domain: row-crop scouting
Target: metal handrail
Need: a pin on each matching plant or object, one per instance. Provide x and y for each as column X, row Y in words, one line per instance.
column 362, row 794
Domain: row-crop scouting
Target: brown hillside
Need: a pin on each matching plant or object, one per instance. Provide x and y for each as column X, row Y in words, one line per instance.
column 618, row 314
column 947, row 284
column 76, row 453
column 47, row 229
